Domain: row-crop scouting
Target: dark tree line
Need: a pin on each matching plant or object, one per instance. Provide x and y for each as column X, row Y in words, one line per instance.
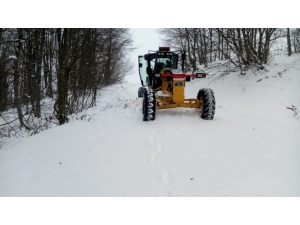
column 296, row 40
column 68, row 65
column 243, row 47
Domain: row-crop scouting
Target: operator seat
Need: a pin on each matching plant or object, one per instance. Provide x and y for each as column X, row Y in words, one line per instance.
column 160, row 66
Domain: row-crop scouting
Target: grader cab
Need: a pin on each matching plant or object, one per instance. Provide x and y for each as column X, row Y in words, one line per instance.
column 163, row 84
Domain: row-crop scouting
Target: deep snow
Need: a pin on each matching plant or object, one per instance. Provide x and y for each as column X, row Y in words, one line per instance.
column 251, row 148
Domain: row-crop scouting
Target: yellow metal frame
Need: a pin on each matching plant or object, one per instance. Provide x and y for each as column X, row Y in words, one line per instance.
column 172, row 95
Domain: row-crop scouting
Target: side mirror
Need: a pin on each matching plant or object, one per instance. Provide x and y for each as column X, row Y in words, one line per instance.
column 201, row 75
column 140, row 65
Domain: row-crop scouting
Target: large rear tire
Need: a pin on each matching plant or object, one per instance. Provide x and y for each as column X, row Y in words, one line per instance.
column 149, row 105
column 207, row 103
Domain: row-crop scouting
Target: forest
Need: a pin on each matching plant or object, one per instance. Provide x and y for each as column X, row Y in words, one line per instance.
column 62, row 70
column 67, row 65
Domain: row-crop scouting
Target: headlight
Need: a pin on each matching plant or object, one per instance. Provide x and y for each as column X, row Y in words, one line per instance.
column 201, row 75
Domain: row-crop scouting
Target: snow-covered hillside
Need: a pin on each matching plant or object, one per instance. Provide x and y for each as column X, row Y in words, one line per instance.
column 251, row 148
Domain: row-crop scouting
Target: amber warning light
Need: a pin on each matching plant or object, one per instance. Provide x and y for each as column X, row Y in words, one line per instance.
column 164, row 49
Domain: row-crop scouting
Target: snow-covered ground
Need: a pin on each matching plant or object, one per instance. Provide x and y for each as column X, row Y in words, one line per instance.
column 251, row 148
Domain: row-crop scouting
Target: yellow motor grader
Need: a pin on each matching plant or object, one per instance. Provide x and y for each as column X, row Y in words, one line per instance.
column 163, row 84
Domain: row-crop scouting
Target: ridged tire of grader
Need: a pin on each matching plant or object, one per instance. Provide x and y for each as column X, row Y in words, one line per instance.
column 141, row 92
column 207, row 96
column 149, row 105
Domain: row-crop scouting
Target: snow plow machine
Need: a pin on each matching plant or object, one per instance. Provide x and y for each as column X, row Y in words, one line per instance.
column 163, row 85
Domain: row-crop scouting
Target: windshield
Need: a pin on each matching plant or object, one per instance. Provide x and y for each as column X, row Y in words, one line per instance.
column 166, row 61
column 158, row 61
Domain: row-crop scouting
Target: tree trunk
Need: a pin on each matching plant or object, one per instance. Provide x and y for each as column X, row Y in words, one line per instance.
column 191, row 60
column 289, row 47
column 16, row 82
column 211, row 45
column 62, row 75
column 39, row 61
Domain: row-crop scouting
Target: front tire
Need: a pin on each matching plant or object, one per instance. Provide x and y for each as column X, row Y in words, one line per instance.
column 207, row 103
column 149, row 105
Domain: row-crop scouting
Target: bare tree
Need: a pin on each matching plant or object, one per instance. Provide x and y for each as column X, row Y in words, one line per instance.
column 243, row 47
column 68, row 65
column 296, row 42
column 289, row 48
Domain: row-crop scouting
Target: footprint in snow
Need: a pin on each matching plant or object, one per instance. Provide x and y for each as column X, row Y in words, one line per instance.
column 151, row 139
column 165, row 177
column 159, row 147
column 162, row 192
column 152, row 158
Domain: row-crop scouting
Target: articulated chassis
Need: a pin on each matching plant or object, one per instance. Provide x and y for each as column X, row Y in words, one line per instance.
column 171, row 93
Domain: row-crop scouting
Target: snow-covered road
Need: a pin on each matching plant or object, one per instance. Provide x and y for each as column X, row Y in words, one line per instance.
column 251, row 148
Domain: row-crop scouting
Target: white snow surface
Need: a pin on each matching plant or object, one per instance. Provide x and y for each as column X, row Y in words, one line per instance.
column 251, row 148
